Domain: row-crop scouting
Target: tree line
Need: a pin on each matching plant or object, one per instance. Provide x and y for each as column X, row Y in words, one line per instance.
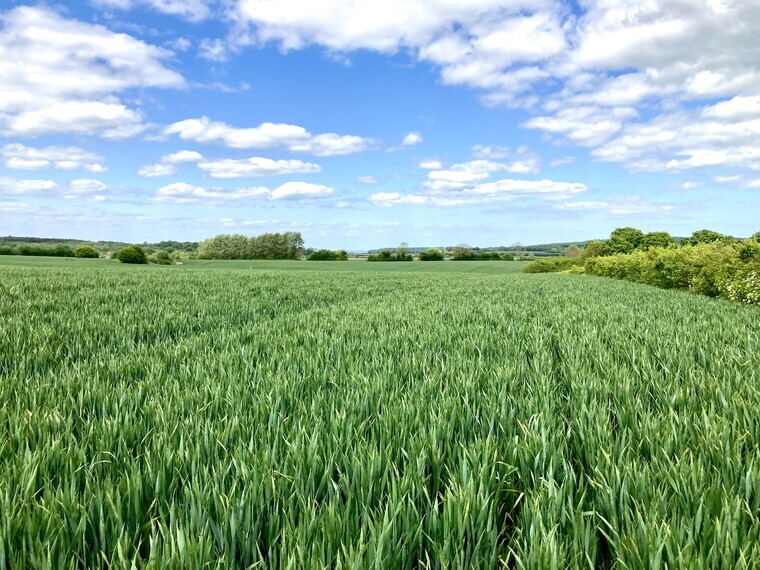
column 287, row 245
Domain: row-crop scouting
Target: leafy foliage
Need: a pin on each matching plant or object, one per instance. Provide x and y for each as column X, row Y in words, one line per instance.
column 553, row 264
column 86, row 251
column 623, row 240
column 328, row 255
column 132, row 254
column 288, row 245
column 388, row 255
column 432, row 254
column 705, row 236
column 161, row 258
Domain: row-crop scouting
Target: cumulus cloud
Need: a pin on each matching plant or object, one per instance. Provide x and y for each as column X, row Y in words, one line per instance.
column 157, row 170
column 228, row 167
column 20, row 157
column 59, row 75
column 76, row 188
column 591, row 73
column 183, row 193
column 411, row 139
column 430, row 165
column 256, row 166
column 466, row 173
column 486, row 193
column 617, row 205
column 268, row 135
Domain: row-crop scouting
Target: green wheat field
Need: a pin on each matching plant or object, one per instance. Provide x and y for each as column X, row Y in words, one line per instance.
column 355, row 415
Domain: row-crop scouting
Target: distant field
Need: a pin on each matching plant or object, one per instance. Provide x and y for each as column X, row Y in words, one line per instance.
column 208, row 415
column 491, row 267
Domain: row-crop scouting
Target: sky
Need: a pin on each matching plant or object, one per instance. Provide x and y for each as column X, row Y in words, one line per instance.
column 363, row 123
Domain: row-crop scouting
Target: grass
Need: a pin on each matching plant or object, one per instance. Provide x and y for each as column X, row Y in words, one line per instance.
column 488, row 267
column 208, row 415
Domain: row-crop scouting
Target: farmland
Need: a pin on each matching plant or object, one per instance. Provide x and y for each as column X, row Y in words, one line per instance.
column 357, row 415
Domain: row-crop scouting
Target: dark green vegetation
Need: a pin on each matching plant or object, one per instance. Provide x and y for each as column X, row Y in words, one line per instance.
column 132, row 254
column 288, row 245
column 12, row 245
column 86, row 252
column 328, row 255
column 394, row 416
column 707, row 263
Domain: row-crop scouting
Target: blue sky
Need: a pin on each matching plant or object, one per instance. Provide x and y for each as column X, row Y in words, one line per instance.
column 363, row 124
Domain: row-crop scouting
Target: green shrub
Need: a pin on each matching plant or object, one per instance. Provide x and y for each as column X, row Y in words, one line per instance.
column 161, row 258
column 85, row 251
column 552, row 264
column 8, row 250
column 328, row 255
column 431, row 254
column 132, row 254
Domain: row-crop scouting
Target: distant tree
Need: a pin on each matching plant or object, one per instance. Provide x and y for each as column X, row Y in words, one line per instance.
column 161, row 258
column 573, row 251
column 86, row 251
column 463, row 253
column 489, row 256
column 508, row 257
column 592, row 249
column 384, row 255
column 431, row 254
column 132, row 254
column 328, row 255
column 756, row 236
column 623, row 240
column 224, row 246
column 704, row 236
column 657, row 239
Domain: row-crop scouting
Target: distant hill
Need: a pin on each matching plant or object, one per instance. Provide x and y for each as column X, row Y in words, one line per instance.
column 101, row 246
column 538, row 250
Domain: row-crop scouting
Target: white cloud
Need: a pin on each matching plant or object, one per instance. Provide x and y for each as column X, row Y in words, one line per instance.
column 183, row 193
column 561, row 161
column 466, row 173
column 592, row 74
column 291, row 190
column 193, row 10
column 430, row 165
column 256, row 166
column 157, row 170
column 182, row 156
column 228, row 167
column 19, row 157
column 727, row 179
column 75, row 188
column 483, row 194
column 618, row 206
column 59, row 75
column 367, row 180
column 412, row 139
column 213, row 50
column 518, row 161
column 10, row 185
column 268, row 135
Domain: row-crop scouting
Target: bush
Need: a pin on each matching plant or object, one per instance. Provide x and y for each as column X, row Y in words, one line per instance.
column 8, row 250
column 44, row 250
column 508, row 257
column 328, row 255
column 552, row 265
column 132, row 254
column 431, row 254
column 716, row 269
column 85, row 251
column 161, row 258
column 388, row 255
